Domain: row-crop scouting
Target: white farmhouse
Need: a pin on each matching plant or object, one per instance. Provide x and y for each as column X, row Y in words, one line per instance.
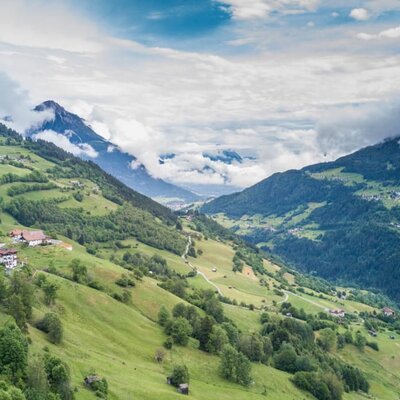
column 8, row 258
column 31, row 238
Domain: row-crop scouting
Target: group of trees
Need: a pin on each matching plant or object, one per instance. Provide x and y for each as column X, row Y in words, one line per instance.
column 249, row 255
column 356, row 232
column 297, row 350
column 42, row 378
column 34, row 176
column 322, row 386
column 15, row 190
column 17, row 294
column 214, row 334
column 126, row 222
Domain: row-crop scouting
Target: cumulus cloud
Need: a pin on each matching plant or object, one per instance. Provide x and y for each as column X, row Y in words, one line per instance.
column 392, row 33
column 15, row 104
column 81, row 149
column 359, row 14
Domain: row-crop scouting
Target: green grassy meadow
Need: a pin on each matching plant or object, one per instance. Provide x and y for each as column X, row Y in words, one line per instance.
column 119, row 340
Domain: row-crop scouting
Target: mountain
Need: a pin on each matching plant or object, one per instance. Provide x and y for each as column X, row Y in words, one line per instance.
column 123, row 293
column 340, row 220
column 109, row 157
column 225, row 156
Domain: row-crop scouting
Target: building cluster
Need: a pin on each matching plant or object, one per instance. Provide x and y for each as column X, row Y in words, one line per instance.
column 77, row 184
column 31, row 238
column 9, row 257
column 339, row 313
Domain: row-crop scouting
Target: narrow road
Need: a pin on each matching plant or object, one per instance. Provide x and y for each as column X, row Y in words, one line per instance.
column 305, row 299
column 184, row 257
column 285, row 299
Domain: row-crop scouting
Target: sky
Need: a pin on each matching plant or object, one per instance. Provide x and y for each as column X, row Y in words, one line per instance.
column 286, row 82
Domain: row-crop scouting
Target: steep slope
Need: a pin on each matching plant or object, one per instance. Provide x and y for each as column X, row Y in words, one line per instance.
column 339, row 219
column 71, row 191
column 109, row 157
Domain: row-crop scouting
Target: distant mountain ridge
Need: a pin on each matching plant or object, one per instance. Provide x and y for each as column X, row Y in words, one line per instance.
column 339, row 219
column 110, row 157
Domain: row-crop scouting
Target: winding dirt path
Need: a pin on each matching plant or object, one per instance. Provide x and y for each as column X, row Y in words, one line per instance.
column 184, row 257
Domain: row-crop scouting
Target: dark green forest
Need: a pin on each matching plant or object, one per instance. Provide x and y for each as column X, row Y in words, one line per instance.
column 359, row 242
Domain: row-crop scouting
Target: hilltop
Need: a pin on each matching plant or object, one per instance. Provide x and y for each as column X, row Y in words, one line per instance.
column 126, row 279
column 340, row 220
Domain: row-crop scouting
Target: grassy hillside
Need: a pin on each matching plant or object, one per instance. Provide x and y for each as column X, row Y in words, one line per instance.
column 340, row 220
column 111, row 327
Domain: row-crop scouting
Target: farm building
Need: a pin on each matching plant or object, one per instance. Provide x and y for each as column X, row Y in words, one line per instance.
column 388, row 311
column 31, row 238
column 90, row 379
column 8, row 258
column 337, row 313
column 183, row 388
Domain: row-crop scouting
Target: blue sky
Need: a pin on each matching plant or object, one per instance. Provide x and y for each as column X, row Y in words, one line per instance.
column 180, row 22
column 156, row 18
column 290, row 82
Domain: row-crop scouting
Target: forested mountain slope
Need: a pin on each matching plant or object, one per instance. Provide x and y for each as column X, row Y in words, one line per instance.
column 340, row 219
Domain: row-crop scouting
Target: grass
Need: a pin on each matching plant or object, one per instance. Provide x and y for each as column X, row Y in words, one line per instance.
column 242, row 287
column 382, row 368
column 118, row 341
column 10, row 169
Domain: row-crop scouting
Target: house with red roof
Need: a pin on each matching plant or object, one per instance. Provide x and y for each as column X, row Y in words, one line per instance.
column 31, row 238
column 388, row 311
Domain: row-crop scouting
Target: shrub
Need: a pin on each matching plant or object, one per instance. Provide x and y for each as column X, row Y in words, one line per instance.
column 51, row 324
column 373, row 345
column 168, row 343
column 125, row 281
column 179, row 375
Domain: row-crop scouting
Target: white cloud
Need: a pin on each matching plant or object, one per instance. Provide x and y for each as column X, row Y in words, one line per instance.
column 392, row 33
column 15, row 103
column 359, row 14
column 57, row 60
column 81, row 149
column 346, row 129
column 45, row 24
column 366, row 36
column 152, row 100
column 255, row 9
